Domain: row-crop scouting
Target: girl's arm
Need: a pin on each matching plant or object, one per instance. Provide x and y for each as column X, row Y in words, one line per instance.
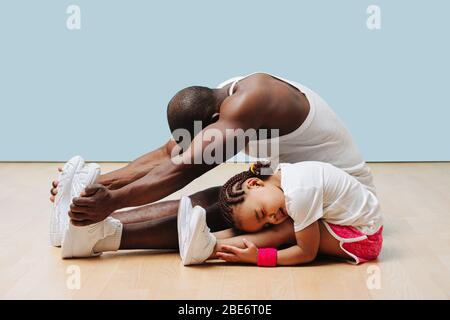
column 305, row 250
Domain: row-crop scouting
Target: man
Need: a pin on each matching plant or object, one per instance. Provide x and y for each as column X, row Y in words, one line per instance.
column 308, row 129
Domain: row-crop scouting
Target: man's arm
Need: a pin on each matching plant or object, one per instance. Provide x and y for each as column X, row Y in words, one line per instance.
column 166, row 177
column 137, row 168
column 207, row 150
column 175, row 173
column 242, row 112
column 131, row 172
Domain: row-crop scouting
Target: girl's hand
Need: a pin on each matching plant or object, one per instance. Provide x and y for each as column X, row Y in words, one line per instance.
column 235, row 254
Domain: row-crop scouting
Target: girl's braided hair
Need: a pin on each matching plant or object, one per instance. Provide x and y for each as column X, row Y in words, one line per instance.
column 232, row 193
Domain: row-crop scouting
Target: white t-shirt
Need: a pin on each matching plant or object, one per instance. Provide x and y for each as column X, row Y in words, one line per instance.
column 317, row 190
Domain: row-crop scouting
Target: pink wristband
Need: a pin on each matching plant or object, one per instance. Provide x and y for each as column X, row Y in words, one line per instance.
column 267, row 257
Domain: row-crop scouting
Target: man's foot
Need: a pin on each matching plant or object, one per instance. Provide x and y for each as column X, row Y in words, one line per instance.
column 77, row 178
column 196, row 242
column 82, row 242
column 58, row 218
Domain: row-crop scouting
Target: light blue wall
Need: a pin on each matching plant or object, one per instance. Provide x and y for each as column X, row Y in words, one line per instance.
column 102, row 91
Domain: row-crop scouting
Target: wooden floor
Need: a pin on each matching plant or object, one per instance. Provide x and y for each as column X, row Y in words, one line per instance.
column 414, row 264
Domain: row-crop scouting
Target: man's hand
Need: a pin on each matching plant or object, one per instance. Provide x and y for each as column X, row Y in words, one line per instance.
column 95, row 204
column 235, row 254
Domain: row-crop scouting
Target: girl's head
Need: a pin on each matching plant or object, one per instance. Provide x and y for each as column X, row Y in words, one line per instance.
column 250, row 201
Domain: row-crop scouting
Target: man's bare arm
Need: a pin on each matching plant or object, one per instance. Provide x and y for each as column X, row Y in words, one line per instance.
column 137, row 168
column 131, row 172
column 172, row 174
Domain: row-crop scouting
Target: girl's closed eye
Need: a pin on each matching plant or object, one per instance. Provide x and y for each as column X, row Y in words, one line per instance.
column 251, row 202
column 262, row 214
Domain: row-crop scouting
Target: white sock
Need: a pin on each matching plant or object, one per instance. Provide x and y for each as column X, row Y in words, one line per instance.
column 111, row 242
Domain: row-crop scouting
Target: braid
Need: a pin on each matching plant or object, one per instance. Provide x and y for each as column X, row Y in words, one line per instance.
column 232, row 193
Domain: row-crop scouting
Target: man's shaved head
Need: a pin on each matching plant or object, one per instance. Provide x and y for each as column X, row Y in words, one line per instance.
column 191, row 104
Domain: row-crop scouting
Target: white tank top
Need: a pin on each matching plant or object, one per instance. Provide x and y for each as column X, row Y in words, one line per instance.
column 321, row 137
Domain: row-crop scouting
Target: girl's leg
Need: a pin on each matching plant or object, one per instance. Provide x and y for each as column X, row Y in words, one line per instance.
column 329, row 246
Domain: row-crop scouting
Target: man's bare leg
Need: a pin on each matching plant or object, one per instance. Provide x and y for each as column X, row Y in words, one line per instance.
column 163, row 234
column 205, row 198
column 149, row 212
column 159, row 233
column 154, row 226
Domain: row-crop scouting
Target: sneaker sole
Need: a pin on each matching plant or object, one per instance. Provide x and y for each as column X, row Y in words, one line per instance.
column 55, row 227
column 193, row 236
column 184, row 207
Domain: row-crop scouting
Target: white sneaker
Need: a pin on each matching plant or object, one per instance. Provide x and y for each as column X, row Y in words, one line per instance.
column 184, row 213
column 81, row 178
column 58, row 218
column 79, row 242
column 196, row 242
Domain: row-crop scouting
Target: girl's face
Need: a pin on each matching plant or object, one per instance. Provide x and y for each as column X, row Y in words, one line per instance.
column 263, row 205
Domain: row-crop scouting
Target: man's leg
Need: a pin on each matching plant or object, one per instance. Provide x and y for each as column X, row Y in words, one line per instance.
column 154, row 226
column 162, row 234
column 154, row 211
column 159, row 232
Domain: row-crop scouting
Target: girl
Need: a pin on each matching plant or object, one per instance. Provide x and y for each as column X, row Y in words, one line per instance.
column 332, row 213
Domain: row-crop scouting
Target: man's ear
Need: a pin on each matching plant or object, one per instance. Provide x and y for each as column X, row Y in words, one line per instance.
column 254, row 183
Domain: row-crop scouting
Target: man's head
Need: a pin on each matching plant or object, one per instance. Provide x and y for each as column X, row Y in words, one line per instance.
column 192, row 104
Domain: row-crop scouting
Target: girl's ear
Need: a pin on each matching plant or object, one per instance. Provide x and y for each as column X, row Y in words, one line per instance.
column 254, row 183
column 215, row 117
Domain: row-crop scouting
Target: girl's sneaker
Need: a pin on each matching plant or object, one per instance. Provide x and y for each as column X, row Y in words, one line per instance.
column 196, row 242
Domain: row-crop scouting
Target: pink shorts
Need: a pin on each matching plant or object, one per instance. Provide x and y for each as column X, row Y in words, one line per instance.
column 359, row 246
